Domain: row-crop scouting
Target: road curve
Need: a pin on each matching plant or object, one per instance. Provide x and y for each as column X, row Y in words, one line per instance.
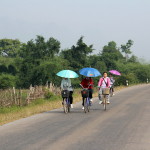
column 125, row 125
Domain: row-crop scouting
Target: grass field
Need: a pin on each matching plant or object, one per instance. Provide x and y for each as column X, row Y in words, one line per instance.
column 9, row 114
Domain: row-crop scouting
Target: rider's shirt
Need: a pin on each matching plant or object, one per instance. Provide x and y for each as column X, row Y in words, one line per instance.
column 66, row 84
column 104, row 82
column 111, row 80
column 86, row 82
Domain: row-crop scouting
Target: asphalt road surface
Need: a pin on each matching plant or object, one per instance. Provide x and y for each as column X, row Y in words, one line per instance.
column 125, row 125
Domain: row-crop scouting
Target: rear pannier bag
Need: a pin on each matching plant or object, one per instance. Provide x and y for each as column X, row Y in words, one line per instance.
column 65, row 94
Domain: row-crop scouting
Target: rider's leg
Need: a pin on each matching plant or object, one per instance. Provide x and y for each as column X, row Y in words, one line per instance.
column 90, row 94
column 63, row 102
column 83, row 103
column 100, row 96
column 107, row 98
column 113, row 90
column 70, row 97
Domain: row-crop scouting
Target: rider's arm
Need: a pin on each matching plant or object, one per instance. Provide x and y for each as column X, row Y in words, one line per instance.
column 81, row 85
column 100, row 82
column 108, row 82
column 61, row 85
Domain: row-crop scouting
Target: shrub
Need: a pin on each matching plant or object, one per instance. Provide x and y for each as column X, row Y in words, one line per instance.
column 7, row 81
column 48, row 94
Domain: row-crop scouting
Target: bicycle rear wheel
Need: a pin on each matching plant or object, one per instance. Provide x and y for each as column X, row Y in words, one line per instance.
column 65, row 105
column 111, row 92
column 69, row 107
column 104, row 102
column 88, row 104
column 85, row 106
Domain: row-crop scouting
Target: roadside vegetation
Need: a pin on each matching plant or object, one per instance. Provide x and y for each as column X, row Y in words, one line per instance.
column 37, row 62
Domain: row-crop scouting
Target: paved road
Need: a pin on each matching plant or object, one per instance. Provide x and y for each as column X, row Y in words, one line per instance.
column 124, row 126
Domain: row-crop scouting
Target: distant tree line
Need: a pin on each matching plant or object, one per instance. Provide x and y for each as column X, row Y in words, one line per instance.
column 37, row 62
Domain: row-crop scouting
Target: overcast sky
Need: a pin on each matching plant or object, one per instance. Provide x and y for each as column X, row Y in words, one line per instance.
column 99, row 21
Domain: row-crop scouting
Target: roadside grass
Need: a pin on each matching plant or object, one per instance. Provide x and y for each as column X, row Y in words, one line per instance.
column 9, row 114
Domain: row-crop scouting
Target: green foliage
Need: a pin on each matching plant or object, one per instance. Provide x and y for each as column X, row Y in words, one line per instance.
column 38, row 61
column 77, row 55
column 126, row 48
column 7, row 81
column 110, row 54
column 131, row 78
column 9, row 47
column 40, row 49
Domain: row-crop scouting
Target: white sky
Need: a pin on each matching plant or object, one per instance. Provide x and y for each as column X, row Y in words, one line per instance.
column 99, row 21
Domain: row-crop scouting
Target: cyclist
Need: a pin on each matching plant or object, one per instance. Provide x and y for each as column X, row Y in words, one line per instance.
column 87, row 83
column 66, row 85
column 104, row 82
column 112, row 81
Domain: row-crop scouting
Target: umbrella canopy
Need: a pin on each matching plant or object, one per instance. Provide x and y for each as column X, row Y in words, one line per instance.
column 67, row 74
column 115, row 72
column 90, row 72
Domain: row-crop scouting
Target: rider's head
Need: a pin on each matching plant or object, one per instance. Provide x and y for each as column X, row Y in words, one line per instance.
column 87, row 78
column 104, row 74
column 110, row 75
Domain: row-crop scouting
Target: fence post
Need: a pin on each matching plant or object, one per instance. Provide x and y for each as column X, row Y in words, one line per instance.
column 47, row 85
column 19, row 97
column 127, row 83
column 14, row 94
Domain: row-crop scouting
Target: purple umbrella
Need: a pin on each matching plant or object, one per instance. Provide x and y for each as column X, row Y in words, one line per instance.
column 115, row 72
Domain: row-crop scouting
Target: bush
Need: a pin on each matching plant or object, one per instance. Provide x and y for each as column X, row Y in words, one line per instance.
column 48, row 94
column 132, row 79
column 7, row 81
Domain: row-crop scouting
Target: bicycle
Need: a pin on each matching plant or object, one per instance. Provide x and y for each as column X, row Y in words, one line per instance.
column 86, row 99
column 105, row 93
column 66, row 101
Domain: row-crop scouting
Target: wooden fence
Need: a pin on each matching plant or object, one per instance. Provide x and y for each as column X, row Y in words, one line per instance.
column 21, row 97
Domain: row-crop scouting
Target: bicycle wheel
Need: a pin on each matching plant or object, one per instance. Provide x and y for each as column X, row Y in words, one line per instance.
column 111, row 93
column 65, row 105
column 88, row 104
column 85, row 105
column 104, row 102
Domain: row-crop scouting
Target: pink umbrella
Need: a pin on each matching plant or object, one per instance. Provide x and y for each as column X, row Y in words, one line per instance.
column 115, row 72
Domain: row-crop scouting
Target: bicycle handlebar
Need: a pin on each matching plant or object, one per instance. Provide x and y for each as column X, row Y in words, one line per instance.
column 85, row 88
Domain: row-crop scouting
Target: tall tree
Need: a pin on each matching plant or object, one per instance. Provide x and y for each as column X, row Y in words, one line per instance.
column 110, row 54
column 33, row 54
column 77, row 55
column 126, row 48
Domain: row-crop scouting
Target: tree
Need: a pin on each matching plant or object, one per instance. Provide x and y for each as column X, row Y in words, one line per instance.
column 77, row 55
column 10, row 47
column 40, row 49
column 133, row 59
column 110, row 54
column 126, row 48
